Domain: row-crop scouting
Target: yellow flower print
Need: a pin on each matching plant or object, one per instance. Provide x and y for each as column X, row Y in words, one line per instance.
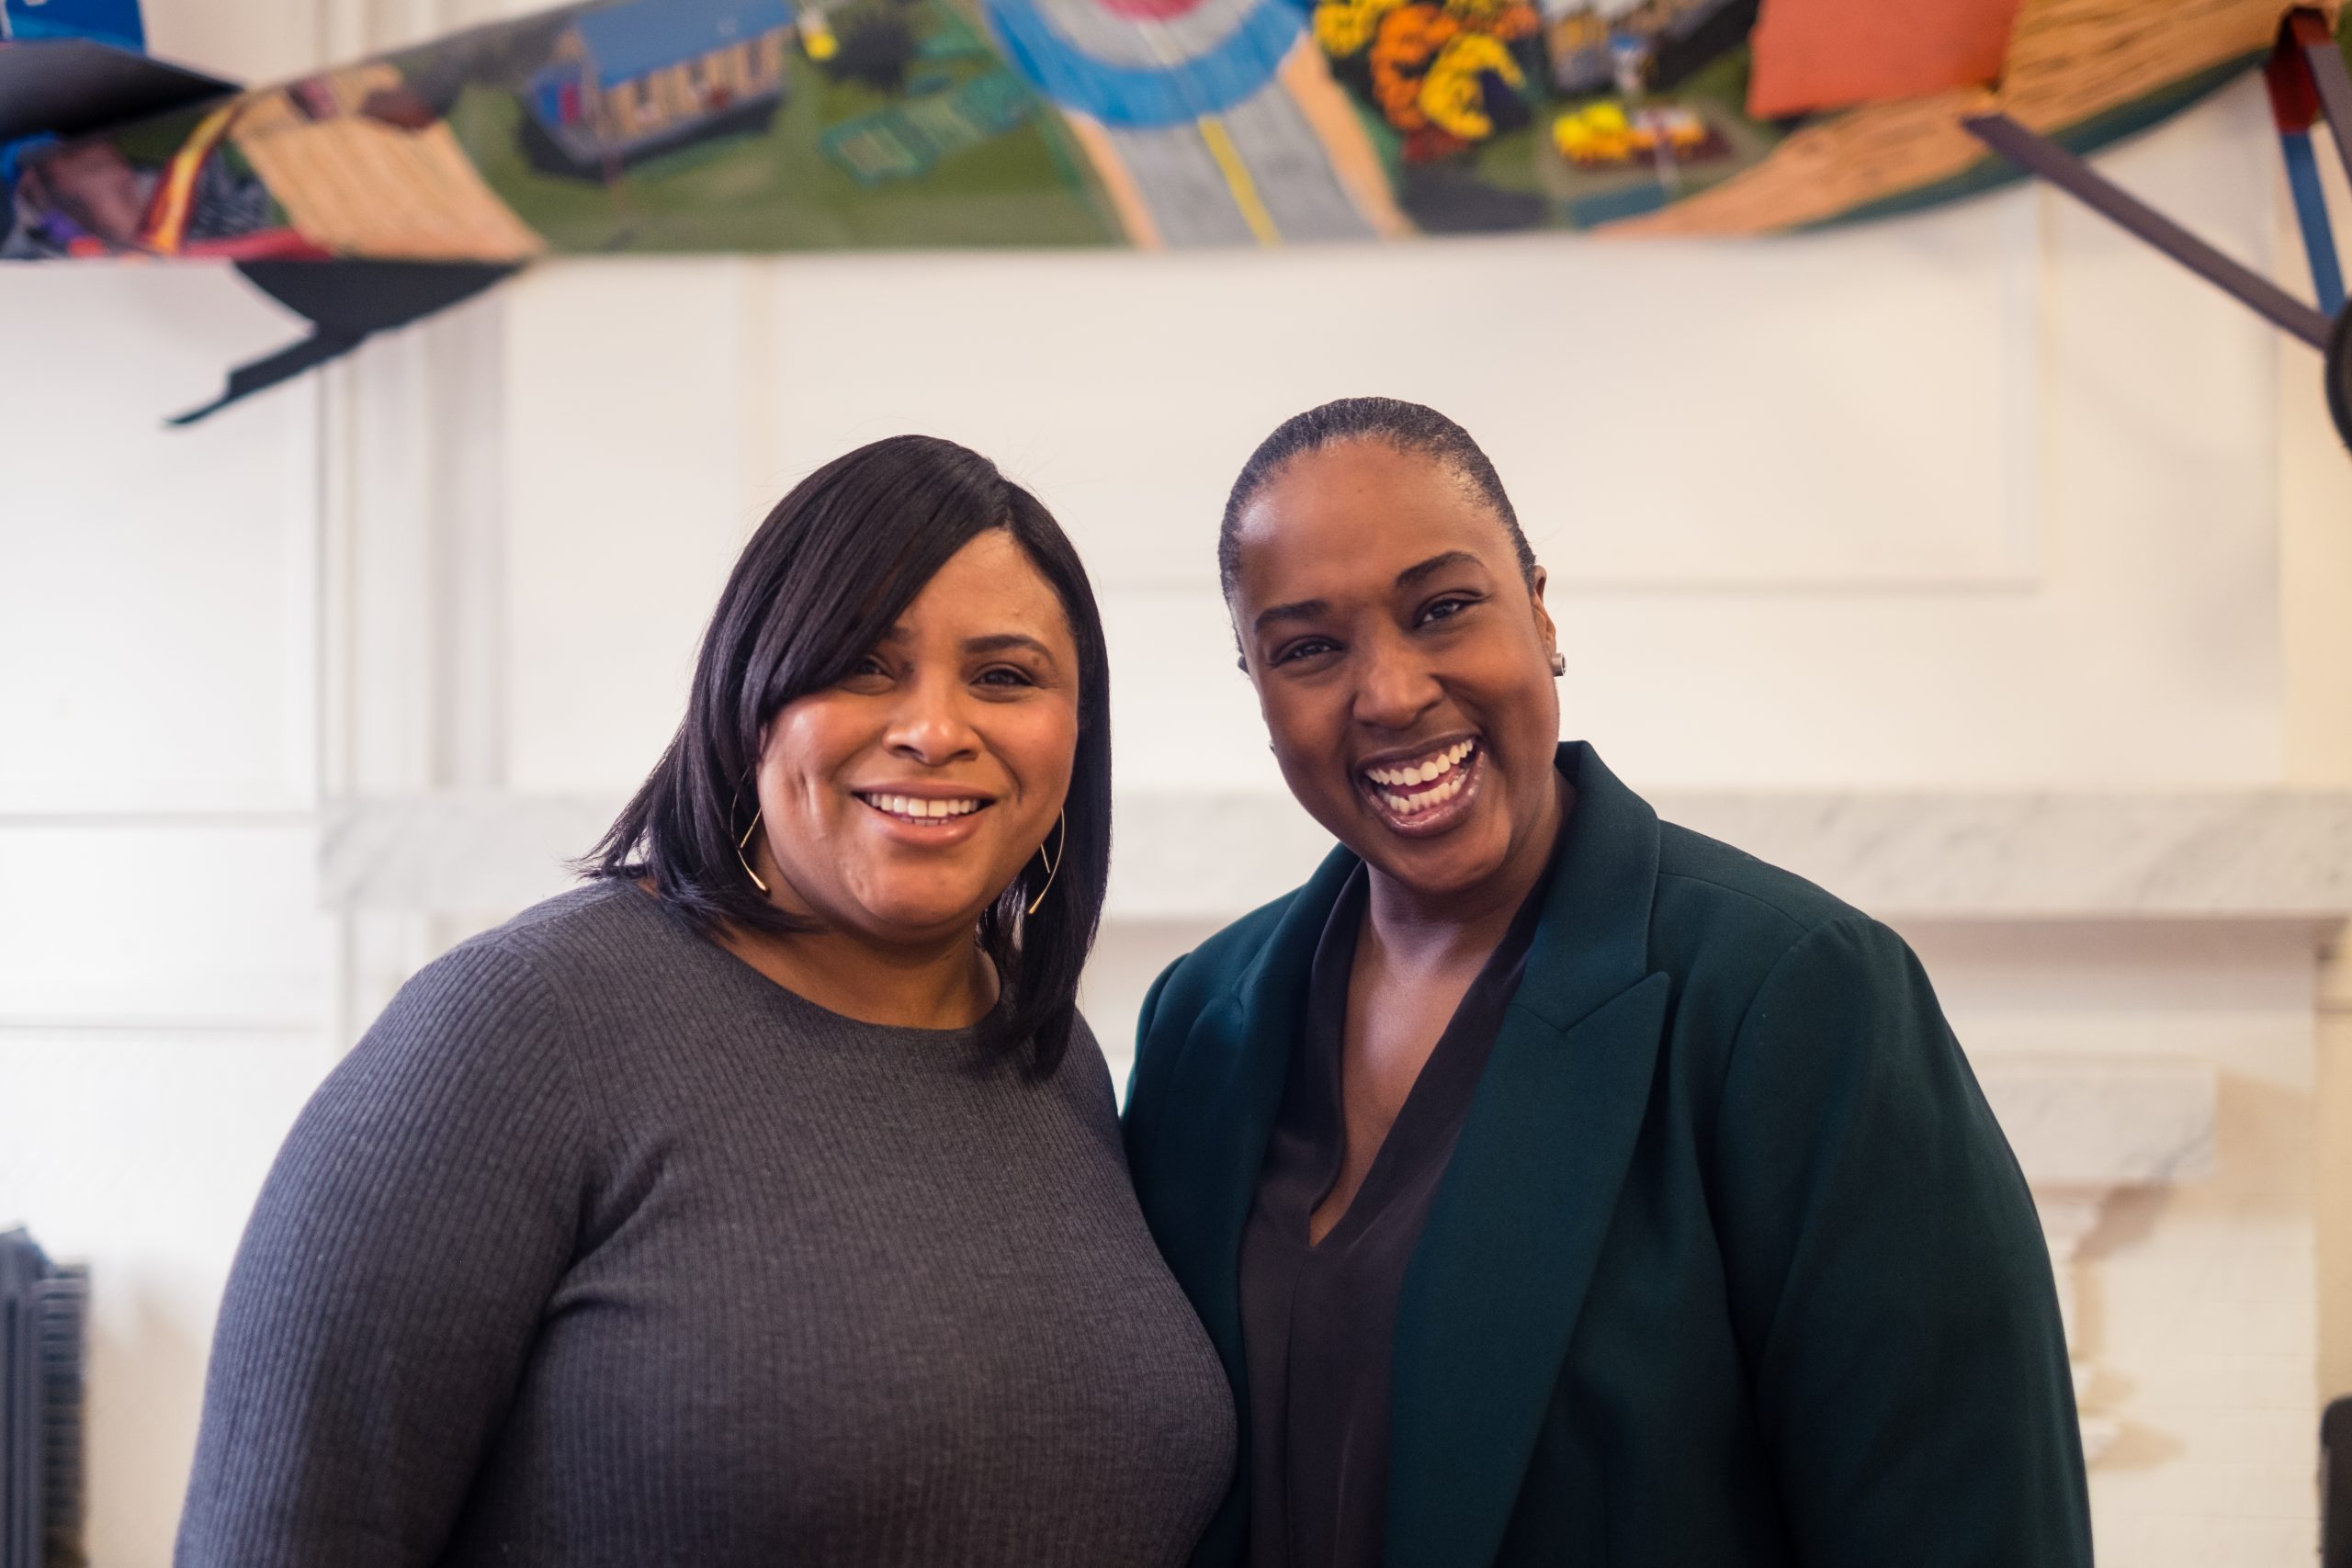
column 1407, row 39
column 1450, row 95
column 1599, row 133
column 1343, row 27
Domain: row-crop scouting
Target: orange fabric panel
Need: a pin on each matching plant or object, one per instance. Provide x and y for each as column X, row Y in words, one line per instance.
column 1824, row 54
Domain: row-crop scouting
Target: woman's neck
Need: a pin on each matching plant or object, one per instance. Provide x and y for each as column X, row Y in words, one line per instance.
column 948, row 984
column 1431, row 932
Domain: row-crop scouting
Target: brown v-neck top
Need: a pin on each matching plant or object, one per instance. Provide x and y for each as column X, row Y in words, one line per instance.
column 1318, row 1319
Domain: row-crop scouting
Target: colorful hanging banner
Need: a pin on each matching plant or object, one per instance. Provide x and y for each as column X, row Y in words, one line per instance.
column 665, row 126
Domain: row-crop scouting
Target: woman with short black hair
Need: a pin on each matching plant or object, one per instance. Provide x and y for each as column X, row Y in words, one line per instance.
column 1560, row 1185
column 762, row 1200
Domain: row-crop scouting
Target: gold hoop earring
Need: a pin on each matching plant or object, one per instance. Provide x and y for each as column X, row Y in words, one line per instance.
column 739, row 844
column 1054, row 862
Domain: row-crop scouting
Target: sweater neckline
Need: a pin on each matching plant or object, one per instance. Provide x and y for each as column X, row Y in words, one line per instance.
column 775, row 993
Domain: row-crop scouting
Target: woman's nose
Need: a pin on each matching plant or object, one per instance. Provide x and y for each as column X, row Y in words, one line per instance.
column 929, row 726
column 1395, row 688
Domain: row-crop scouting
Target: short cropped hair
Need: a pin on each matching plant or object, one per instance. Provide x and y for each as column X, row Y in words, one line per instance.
column 1411, row 428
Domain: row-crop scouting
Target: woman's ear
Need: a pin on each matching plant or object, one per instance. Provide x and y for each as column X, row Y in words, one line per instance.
column 1544, row 628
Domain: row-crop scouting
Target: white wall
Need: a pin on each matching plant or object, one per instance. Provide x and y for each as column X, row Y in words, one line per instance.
column 1989, row 498
column 2000, row 448
column 163, row 994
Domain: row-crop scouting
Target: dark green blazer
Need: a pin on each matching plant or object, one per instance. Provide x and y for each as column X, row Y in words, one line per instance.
column 1731, row 1265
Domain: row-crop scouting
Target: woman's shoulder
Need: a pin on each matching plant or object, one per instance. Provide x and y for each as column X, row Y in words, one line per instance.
column 1196, row 980
column 1720, row 906
column 1752, row 947
column 586, row 939
column 480, row 1038
column 496, row 994
column 579, row 924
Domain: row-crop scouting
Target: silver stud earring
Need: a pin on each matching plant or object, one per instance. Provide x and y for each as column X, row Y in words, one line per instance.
column 1559, row 664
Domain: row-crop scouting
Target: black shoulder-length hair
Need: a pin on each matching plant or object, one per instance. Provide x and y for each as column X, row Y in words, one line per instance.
column 823, row 580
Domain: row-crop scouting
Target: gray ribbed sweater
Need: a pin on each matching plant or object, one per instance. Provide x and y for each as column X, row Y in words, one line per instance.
column 601, row 1248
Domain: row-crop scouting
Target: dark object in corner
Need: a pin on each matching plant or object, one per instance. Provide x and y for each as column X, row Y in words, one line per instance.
column 68, row 85
column 347, row 302
column 2308, row 81
column 2336, row 1470
column 43, row 1312
column 2339, row 403
column 1697, row 39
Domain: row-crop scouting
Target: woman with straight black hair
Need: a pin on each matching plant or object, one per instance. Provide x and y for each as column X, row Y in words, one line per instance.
column 1560, row 1185
column 762, row 1200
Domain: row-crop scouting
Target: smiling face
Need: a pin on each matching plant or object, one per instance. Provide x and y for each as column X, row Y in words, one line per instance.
column 901, row 802
column 1402, row 664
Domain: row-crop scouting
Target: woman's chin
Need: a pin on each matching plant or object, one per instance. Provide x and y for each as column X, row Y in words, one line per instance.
column 1454, row 860
column 1438, row 868
column 929, row 911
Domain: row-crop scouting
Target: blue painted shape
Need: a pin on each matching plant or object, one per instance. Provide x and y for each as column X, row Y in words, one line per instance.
column 2311, row 216
column 108, row 21
column 638, row 38
column 1139, row 97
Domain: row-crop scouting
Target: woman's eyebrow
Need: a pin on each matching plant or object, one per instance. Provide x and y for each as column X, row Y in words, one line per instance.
column 1436, row 563
column 1309, row 609
column 999, row 642
column 1302, row 610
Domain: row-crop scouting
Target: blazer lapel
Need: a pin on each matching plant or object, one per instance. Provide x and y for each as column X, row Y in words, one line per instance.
column 1222, row 1100
column 1491, row 1297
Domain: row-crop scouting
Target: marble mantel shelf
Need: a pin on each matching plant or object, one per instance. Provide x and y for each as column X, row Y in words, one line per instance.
column 2252, row 855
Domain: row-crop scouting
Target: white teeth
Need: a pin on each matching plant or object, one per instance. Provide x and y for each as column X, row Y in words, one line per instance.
column 1434, row 767
column 1414, row 805
column 923, row 810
